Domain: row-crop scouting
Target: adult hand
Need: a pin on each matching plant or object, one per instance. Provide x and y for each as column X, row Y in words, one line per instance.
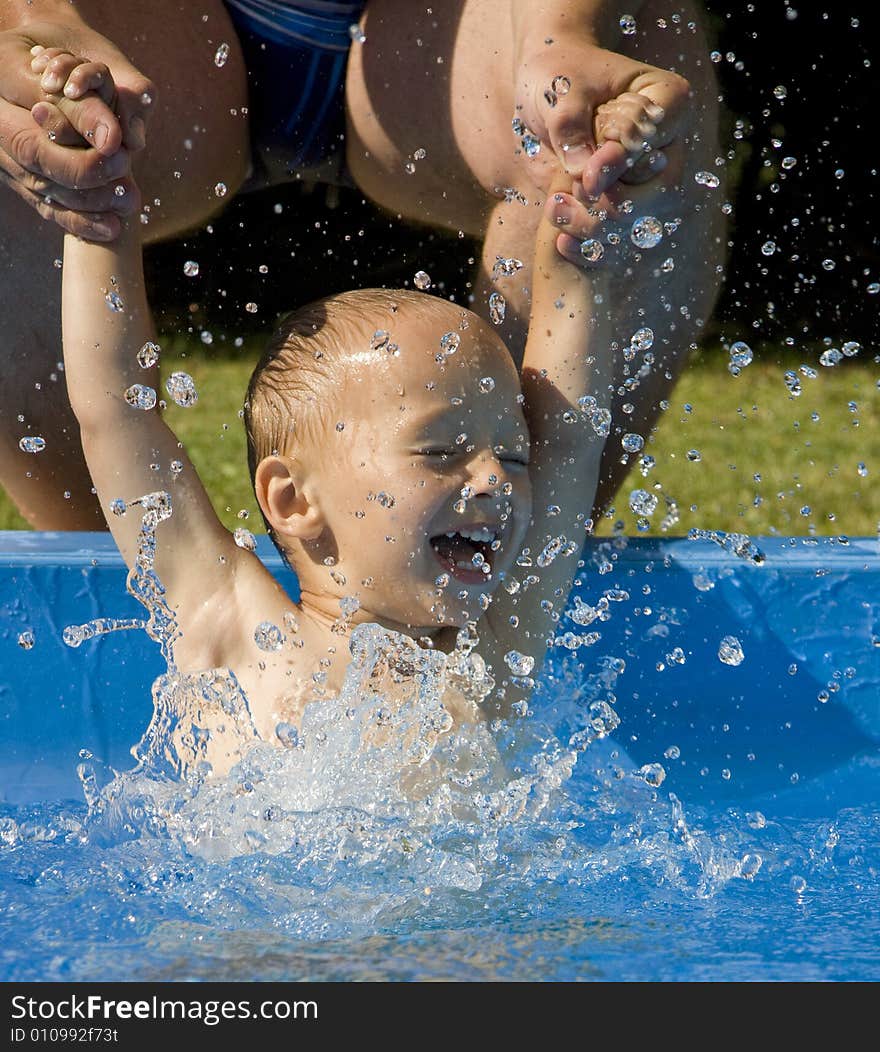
column 66, row 155
column 594, row 109
column 617, row 125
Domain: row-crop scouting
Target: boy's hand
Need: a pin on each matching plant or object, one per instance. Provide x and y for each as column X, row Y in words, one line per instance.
column 64, row 153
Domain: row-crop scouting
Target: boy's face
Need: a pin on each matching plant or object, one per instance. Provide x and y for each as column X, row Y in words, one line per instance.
column 425, row 484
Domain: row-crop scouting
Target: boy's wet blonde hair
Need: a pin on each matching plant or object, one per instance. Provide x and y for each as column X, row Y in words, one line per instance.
column 296, row 385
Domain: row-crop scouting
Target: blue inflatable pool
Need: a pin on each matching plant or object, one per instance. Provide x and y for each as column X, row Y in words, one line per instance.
column 740, row 672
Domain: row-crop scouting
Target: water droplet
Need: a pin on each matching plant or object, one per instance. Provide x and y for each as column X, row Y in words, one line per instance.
column 449, row 343
column 740, row 356
column 592, row 250
column 793, row 383
column 251, row 307
column 118, row 506
column 504, row 268
column 730, row 651
column 245, row 539
column 357, row 35
column 749, row 865
column 32, row 444
column 220, row 190
column 114, row 302
column 642, row 339
column 600, row 420
column 268, row 636
column 530, row 143
column 694, row 456
column 646, row 232
column 420, row 154
column 148, row 355
column 780, row 91
column 798, row 885
column 862, row 469
column 551, row 549
column 642, row 502
column 561, row 84
column 628, row 27
column 221, row 55
column 288, row 735
column 175, row 467
column 191, row 268
column 788, row 163
column 653, row 774
column 487, row 384
column 873, row 288
column 385, row 499
column 519, row 664
column 26, row 639
column 632, row 443
column 768, row 248
column 707, row 179
column 139, row 396
column 182, row 389
column 422, row 280
column 851, row 348
column 497, row 308
column 379, row 339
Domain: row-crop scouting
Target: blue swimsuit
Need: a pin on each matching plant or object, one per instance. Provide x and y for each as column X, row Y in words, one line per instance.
column 296, row 53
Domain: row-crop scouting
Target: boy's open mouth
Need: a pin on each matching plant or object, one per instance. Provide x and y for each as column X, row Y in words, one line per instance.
column 464, row 554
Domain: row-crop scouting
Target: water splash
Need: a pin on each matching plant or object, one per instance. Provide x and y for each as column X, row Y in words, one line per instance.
column 410, row 778
column 738, row 544
column 142, row 582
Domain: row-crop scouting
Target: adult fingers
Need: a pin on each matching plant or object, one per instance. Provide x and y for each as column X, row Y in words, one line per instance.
column 123, row 197
column 28, row 146
column 568, row 117
column 55, row 125
column 99, row 226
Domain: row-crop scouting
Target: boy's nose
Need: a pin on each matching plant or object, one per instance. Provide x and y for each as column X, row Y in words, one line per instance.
column 487, row 475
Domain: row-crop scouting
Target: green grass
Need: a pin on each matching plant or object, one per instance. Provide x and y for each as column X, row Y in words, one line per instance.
column 755, row 442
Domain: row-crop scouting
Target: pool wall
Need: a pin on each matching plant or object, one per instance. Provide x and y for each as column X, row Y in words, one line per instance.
column 805, row 697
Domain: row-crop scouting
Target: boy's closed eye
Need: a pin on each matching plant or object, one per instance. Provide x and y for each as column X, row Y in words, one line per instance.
column 515, row 458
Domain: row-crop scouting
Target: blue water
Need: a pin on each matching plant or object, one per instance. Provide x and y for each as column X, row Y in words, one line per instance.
column 650, row 819
column 597, row 876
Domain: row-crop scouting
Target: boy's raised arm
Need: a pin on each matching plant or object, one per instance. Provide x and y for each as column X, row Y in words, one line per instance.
column 130, row 451
column 565, row 379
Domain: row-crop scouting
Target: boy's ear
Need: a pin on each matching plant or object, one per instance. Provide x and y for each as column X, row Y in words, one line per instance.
column 284, row 500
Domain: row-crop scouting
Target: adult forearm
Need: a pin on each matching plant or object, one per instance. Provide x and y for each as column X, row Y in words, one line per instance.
column 19, row 13
column 539, row 19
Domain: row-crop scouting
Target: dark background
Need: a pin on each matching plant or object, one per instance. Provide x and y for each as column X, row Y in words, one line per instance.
column 823, row 209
